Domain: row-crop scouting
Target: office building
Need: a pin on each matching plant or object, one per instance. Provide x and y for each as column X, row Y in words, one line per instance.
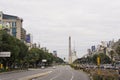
column 23, row 35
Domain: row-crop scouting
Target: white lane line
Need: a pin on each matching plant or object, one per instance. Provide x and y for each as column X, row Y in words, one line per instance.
column 56, row 76
column 72, row 76
column 35, row 76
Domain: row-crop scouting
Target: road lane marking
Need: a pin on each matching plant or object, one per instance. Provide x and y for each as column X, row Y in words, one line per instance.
column 35, row 76
column 72, row 75
column 56, row 76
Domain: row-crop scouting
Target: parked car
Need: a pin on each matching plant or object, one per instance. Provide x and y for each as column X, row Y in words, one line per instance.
column 42, row 67
column 54, row 67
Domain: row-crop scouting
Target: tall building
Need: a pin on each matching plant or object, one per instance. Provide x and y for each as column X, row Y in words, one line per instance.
column 93, row 48
column 29, row 41
column 55, row 53
column 89, row 51
column 45, row 49
column 12, row 24
column 70, row 51
column 23, row 35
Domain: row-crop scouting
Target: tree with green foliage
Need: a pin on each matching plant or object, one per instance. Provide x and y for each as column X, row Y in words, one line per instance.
column 112, row 54
column 104, row 59
column 20, row 55
column 37, row 55
column 118, row 50
column 17, row 48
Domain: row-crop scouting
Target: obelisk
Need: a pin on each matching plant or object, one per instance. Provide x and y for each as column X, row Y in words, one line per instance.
column 70, row 52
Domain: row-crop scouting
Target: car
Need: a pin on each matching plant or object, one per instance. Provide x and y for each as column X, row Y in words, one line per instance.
column 54, row 67
column 42, row 67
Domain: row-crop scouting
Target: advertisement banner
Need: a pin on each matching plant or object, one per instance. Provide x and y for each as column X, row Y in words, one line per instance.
column 28, row 38
column 5, row 54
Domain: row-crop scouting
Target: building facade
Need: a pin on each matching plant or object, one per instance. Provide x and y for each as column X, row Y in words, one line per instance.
column 12, row 24
column 55, row 53
column 23, row 35
column 29, row 41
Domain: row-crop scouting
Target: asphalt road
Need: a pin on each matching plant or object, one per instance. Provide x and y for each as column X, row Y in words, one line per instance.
column 59, row 73
column 65, row 73
column 21, row 74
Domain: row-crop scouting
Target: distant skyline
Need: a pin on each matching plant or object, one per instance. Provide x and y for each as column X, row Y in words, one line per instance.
column 51, row 22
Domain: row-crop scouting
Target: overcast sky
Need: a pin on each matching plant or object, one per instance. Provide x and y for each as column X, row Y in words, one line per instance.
column 51, row 22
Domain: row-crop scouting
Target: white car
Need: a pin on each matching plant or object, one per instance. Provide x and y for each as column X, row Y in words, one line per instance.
column 42, row 67
column 54, row 67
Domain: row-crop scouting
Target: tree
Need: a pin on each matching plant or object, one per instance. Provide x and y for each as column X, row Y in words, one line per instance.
column 112, row 54
column 118, row 50
column 95, row 58
column 17, row 48
column 104, row 59
column 20, row 54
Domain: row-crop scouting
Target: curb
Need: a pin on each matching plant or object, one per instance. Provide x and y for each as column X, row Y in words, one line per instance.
column 15, row 71
column 34, row 76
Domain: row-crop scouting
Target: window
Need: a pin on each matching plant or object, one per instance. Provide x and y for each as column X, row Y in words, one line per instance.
column 14, row 32
column 13, row 24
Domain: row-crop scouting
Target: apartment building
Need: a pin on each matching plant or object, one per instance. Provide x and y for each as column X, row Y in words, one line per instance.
column 12, row 24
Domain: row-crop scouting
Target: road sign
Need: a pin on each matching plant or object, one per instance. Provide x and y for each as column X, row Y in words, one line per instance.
column 44, row 60
column 5, row 54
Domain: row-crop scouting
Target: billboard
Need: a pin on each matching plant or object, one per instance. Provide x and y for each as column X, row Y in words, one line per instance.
column 44, row 60
column 28, row 38
column 5, row 54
